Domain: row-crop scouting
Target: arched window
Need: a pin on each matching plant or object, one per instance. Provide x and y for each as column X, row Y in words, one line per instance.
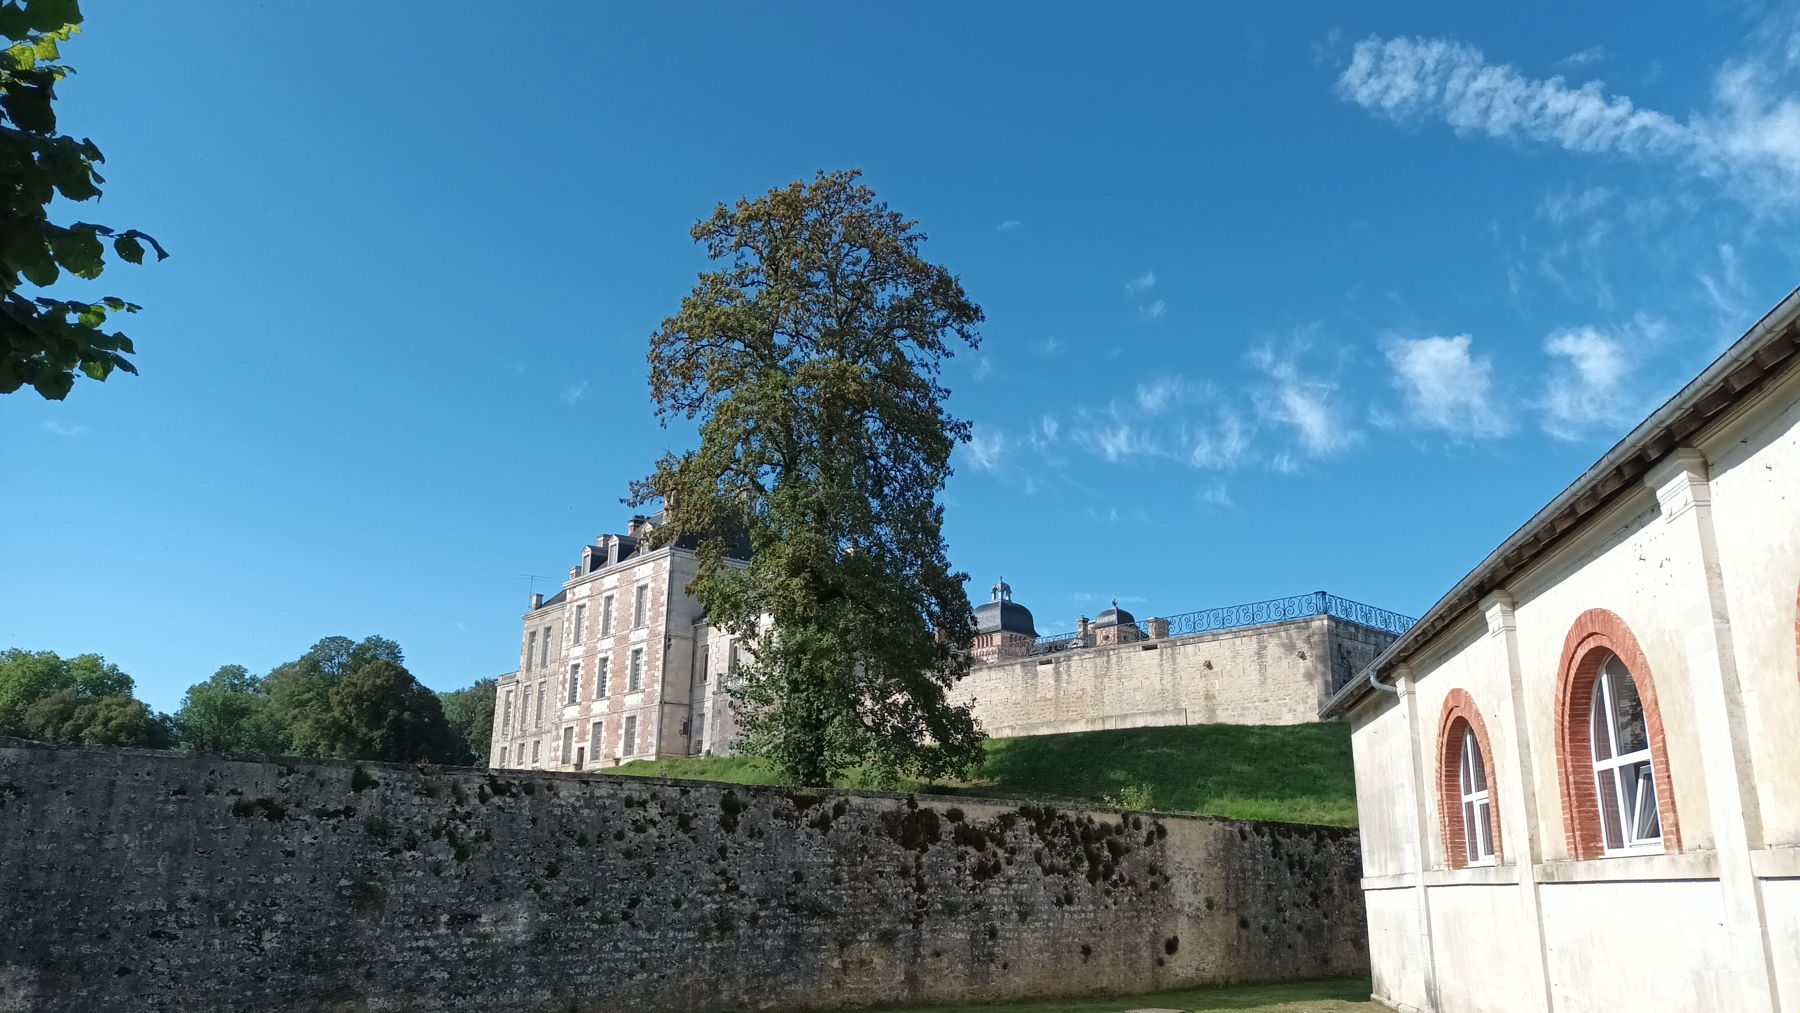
column 1623, row 774
column 1617, row 798
column 1477, row 806
column 1467, row 818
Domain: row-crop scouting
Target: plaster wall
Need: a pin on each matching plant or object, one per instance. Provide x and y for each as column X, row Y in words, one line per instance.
column 137, row 880
column 1701, row 562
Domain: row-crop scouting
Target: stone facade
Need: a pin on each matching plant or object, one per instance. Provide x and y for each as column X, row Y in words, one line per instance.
column 1671, row 565
column 136, row 880
column 1274, row 674
column 558, row 712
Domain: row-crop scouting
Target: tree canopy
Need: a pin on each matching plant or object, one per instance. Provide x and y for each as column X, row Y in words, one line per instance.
column 810, row 358
column 82, row 699
column 470, row 713
column 45, row 341
column 380, row 712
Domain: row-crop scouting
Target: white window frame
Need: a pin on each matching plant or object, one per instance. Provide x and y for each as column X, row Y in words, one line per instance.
column 568, row 745
column 634, row 681
column 506, row 715
column 525, row 710
column 603, row 679
column 574, row 696
column 1630, row 808
column 606, row 614
column 640, row 607
column 530, row 648
column 628, row 736
column 580, row 620
column 502, row 762
column 596, row 737
column 543, row 691
column 1477, row 803
column 537, row 750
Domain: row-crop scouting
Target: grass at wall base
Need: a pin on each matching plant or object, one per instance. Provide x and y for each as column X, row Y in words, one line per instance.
column 1290, row 773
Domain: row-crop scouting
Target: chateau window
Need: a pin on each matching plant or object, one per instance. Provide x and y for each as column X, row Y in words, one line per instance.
column 580, row 621
column 568, row 752
column 595, row 734
column 640, row 606
column 1477, row 807
column 537, row 750
column 543, row 691
column 506, row 715
column 606, row 615
column 525, row 711
column 1623, row 771
column 502, row 762
column 700, row 732
column 635, row 680
column 544, row 648
column 603, row 679
column 629, row 738
column 574, row 683
column 530, row 648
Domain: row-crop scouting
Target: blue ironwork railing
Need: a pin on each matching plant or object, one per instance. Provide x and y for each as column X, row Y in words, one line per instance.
column 1258, row 613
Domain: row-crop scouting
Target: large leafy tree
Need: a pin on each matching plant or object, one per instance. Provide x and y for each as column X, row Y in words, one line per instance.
column 810, row 358
column 45, row 341
column 230, row 713
column 299, row 691
column 470, row 712
column 29, row 676
column 380, row 712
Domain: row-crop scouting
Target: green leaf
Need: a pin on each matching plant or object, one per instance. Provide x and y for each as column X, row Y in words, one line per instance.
column 97, row 368
column 129, row 248
column 78, row 251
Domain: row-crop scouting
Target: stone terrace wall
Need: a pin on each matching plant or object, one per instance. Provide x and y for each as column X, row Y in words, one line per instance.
column 1278, row 674
column 137, row 880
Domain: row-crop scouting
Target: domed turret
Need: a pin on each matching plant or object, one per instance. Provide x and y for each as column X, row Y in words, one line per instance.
column 1115, row 616
column 1003, row 615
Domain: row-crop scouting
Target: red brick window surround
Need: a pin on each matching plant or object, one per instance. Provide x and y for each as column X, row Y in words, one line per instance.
column 1596, row 637
column 1460, row 720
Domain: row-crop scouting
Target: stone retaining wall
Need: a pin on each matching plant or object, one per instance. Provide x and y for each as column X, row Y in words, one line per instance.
column 139, row 880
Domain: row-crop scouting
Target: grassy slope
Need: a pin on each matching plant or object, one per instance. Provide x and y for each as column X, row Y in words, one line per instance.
column 1338, row 996
column 1297, row 773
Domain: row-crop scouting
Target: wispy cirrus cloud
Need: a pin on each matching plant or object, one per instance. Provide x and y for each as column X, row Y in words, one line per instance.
column 575, row 392
column 1010, row 225
column 1444, row 386
column 1748, row 138
column 1141, row 284
column 1587, row 385
column 1306, row 403
column 61, row 428
column 986, row 449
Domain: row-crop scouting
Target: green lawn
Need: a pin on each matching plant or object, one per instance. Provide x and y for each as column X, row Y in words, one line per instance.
column 1350, row 995
column 1295, row 773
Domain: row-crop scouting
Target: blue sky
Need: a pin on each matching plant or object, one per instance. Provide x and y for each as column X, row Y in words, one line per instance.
column 1278, row 299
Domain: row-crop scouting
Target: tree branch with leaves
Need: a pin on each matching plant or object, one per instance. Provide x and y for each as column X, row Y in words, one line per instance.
column 45, row 341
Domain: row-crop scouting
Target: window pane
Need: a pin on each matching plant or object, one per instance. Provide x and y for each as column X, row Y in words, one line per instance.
column 1628, row 710
column 1645, row 823
column 1602, row 737
column 1477, row 771
column 1608, row 786
column 1471, row 835
column 1484, row 830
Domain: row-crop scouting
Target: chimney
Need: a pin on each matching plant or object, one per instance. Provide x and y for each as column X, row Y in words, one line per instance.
column 537, row 601
column 635, row 528
column 1081, row 627
column 1159, row 628
column 574, row 572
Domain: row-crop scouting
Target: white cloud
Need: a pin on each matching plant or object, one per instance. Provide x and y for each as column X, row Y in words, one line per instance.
column 1010, row 225
column 984, row 368
column 1445, row 387
column 575, row 393
column 1592, row 54
column 1141, row 284
column 1160, row 394
column 1586, row 387
column 64, row 428
column 1303, row 402
column 986, row 449
column 1215, row 495
column 1750, row 137
column 1220, row 445
column 1155, row 310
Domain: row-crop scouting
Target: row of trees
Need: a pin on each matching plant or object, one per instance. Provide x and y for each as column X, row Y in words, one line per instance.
column 342, row 699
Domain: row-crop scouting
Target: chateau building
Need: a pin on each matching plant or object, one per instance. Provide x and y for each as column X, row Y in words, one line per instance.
column 1578, row 775
column 620, row 665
